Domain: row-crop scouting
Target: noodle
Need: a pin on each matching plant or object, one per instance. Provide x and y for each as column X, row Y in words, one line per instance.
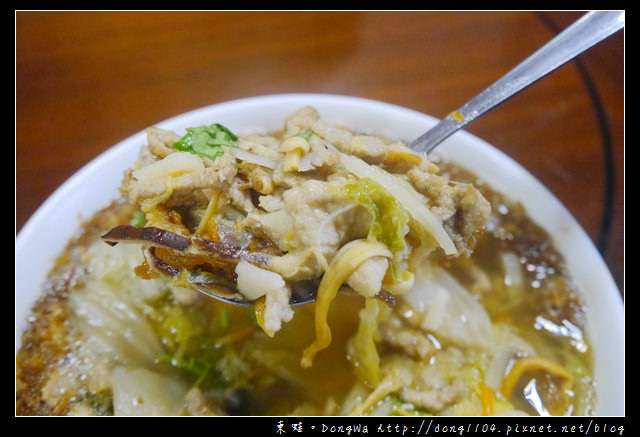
column 348, row 258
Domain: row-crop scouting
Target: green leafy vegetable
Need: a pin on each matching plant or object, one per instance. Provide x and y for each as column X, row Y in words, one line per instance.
column 362, row 346
column 399, row 408
column 188, row 347
column 192, row 346
column 206, row 140
column 306, row 135
column 177, row 325
column 138, row 219
column 223, row 316
column 251, row 317
column 389, row 219
column 428, row 224
column 199, row 364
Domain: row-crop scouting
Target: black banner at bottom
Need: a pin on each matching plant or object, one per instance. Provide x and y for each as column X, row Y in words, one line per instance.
column 441, row 426
column 409, row 426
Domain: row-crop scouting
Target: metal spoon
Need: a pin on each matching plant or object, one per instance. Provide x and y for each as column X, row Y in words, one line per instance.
column 589, row 30
column 592, row 28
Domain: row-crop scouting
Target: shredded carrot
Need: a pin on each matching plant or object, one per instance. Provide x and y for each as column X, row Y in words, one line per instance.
column 235, row 336
column 258, row 308
column 529, row 364
column 145, row 271
column 166, row 218
column 207, row 224
column 486, row 397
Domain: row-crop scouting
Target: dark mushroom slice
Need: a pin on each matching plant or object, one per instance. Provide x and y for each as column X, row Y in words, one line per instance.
column 386, row 297
column 383, row 295
column 158, row 237
column 209, row 265
column 204, row 277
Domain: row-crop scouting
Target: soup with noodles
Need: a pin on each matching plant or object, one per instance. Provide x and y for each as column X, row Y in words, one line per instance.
column 456, row 305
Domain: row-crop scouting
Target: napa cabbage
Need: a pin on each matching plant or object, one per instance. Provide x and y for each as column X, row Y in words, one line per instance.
column 428, row 225
column 389, row 219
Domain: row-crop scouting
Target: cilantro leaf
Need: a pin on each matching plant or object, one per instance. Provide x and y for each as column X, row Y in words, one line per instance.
column 206, row 140
column 138, row 219
column 306, row 135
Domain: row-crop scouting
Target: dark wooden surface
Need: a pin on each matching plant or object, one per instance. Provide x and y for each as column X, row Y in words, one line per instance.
column 86, row 80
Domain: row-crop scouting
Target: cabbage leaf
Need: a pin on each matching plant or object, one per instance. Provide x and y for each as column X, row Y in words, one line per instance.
column 426, row 223
column 389, row 219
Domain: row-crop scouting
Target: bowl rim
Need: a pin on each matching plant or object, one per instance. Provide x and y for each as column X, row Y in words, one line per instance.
column 607, row 340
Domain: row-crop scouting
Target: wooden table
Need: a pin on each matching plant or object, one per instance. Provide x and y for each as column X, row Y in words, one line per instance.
column 86, row 80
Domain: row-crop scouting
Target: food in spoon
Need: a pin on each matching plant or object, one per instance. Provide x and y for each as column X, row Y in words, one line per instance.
column 253, row 216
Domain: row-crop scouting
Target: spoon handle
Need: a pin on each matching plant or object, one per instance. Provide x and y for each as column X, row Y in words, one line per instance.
column 590, row 29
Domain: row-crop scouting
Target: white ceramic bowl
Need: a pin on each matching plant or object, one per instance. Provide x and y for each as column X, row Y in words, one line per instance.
column 48, row 230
